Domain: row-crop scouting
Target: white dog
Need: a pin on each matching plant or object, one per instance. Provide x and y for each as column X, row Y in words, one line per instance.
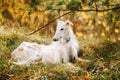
column 63, row 47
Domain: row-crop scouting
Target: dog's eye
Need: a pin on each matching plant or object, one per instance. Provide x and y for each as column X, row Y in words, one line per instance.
column 61, row 29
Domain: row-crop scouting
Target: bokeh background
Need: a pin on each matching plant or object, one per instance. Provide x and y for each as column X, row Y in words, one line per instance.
column 96, row 26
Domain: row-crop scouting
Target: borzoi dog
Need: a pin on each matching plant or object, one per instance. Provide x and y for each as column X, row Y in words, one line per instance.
column 63, row 47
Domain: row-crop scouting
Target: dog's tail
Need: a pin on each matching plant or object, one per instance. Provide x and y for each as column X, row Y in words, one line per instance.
column 82, row 60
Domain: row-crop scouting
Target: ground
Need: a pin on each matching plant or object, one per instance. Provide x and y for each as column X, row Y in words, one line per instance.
column 104, row 59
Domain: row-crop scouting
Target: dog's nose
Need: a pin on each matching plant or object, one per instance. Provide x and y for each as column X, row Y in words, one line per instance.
column 55, row 39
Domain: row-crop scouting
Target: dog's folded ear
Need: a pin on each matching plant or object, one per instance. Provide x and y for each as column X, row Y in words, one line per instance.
column 69, row 23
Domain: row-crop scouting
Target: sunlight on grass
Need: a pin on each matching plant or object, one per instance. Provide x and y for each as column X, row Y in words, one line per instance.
column 103, row 55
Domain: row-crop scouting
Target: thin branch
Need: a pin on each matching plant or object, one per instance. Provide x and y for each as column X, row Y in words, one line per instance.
column 88, row 10
column 100, row 10
column 96, row 6
column 49, row 23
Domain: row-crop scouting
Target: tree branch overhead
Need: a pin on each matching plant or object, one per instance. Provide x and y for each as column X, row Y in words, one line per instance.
column 70, row 11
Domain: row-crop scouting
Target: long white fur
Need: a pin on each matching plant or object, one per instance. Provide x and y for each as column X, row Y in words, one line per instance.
column 57, row 52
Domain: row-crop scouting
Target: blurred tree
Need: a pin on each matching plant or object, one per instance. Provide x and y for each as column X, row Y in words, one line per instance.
column 89, row 16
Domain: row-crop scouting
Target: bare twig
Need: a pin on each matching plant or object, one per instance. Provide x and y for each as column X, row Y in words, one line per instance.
column 96, row 9
column 87, row 10
column 100, row 10
column 49, row 23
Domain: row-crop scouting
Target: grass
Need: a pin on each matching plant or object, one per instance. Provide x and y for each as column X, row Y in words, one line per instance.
column 104, row 59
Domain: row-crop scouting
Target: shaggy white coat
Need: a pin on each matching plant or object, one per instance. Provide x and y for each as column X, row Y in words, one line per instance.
column 63, row 47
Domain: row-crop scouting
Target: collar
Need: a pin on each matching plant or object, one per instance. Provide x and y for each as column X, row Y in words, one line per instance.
column 68, row 40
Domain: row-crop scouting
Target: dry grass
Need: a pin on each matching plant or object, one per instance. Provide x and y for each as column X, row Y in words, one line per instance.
column 104, row 59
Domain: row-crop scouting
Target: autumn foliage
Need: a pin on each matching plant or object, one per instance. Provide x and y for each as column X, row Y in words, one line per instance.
column 96, row 25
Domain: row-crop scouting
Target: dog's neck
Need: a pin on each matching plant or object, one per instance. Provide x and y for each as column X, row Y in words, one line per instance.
column 68, row 40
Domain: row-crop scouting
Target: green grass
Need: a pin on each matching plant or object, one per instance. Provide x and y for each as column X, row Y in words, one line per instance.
column 104, row 59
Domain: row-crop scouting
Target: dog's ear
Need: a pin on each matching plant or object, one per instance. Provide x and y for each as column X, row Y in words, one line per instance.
column 69, row 23
column 60, row 22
